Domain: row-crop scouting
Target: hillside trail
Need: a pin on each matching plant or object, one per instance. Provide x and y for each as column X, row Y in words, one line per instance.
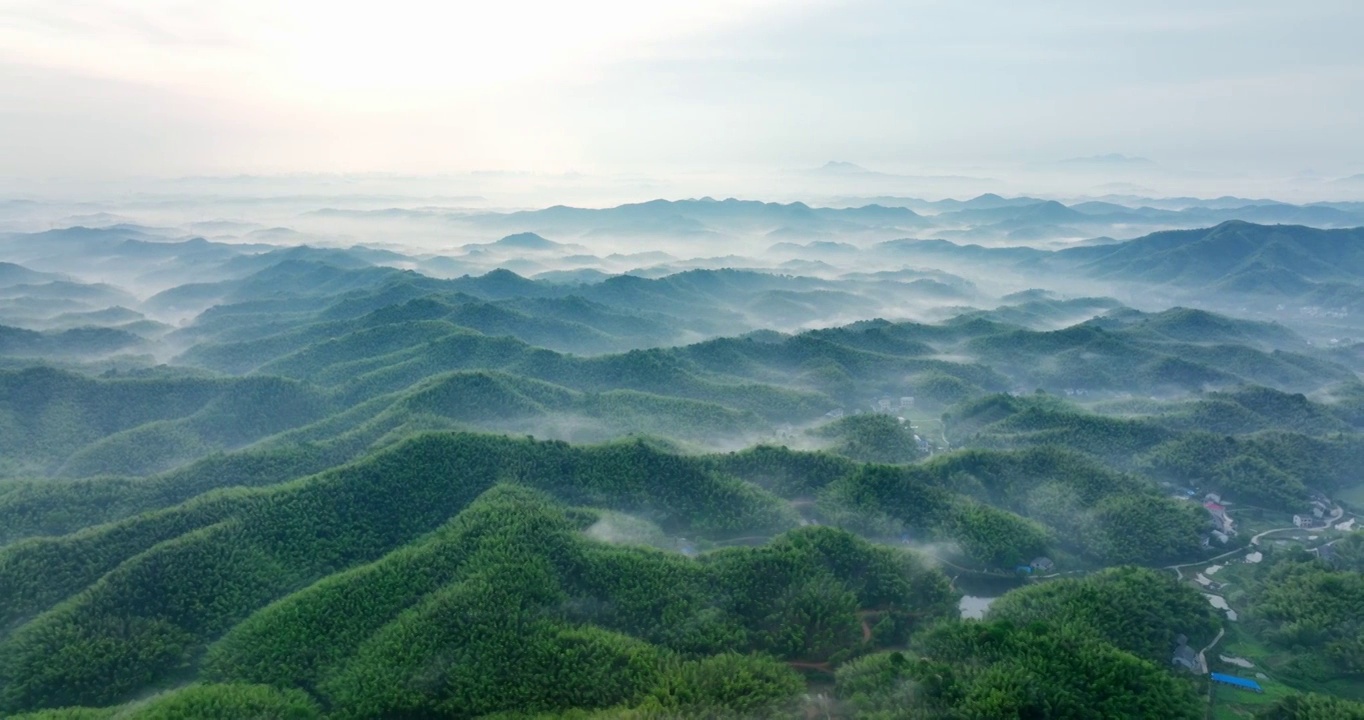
column 1202, row 654
column 1178, row 568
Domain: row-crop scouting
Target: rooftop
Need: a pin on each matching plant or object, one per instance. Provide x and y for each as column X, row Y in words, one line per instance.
column 1237, row 682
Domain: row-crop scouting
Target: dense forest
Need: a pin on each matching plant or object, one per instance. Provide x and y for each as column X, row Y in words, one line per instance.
column 309, row 485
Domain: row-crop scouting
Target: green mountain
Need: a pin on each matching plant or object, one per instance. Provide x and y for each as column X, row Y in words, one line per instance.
column 1223, row 255
column 312, row 482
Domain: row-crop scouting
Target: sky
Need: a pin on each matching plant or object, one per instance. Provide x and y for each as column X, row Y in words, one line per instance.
column 113, row 88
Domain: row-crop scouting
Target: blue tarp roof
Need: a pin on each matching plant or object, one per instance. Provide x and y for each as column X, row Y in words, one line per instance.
column 1238, row 682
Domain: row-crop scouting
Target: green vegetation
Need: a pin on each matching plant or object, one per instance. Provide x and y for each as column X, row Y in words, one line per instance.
column 1312, row 707
column 872, row 438
column 994, row 670
column 1304, row 606
column 1134, row 609
column 362, row 492
column 206, row 702
column 510, row 586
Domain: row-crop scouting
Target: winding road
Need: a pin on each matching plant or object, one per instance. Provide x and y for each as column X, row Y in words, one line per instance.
column 1179, row 572
column 1337, row 513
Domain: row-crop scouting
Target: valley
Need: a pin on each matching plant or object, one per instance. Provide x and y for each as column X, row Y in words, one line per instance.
column 307, row 480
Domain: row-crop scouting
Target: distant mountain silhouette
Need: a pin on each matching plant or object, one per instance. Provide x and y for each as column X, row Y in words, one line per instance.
column 1012, row 216
column 699, row 216
column 990, row 201
column 11, row 274
column 845, row 168
column 527, row 241
column 1109, row 159
column 1235, row 255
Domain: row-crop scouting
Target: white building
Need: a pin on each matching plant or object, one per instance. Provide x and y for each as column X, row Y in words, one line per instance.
column 1307, row 521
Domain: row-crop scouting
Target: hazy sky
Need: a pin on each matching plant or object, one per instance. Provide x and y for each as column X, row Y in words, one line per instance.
column 169, row 87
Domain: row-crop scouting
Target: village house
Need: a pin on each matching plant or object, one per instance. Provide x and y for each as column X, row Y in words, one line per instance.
column 1042, row 564
column 1307, row 522
column 1186, row 658
column 1220, row 518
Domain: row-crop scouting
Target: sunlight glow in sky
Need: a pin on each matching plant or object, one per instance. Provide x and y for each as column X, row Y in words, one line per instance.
column 111, row 87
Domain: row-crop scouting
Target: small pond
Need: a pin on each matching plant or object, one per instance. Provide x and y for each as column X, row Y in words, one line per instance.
column 978, row 591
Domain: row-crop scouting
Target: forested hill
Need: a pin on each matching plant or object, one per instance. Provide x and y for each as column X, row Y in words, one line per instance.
column 530, row 558
column 417, row 364
column 1286, row 273
column 1234, row 254
column 325, row 482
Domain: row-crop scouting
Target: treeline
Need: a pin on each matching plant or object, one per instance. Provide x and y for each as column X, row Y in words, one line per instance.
column 1138, row 610
column 51, row 507
column 509, row 610
column 506, row 607
column 1313, row 610
column 982, row 671
column 1312, row 706
column 1009, row 507
column 172, row 578
column 201, row 702
column 1000, row 508
column 875, row 438
column 59, row 422
column 93, row 616
column 1093, row 647
column 1271, row 468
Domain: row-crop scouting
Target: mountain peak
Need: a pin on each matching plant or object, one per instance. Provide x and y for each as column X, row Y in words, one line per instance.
column 527, row 241
column 839, row 166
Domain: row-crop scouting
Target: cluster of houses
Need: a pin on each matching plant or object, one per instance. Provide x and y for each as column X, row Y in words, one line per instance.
column 887, row 403
column 1316, row 518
